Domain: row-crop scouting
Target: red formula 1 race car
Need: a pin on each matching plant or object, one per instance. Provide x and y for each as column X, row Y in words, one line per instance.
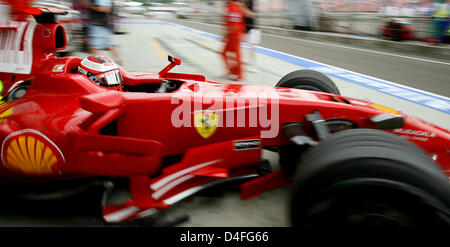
column 68, row 124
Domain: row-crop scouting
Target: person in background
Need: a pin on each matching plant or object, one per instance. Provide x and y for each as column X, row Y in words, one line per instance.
column 389, row 11
column 253, row 34
column 4, row 12
column 234, row 20
column 405, row 13
column 424, row 9
column 440, row 22
column 84, row 14
column 17, row 7
column 405, row 10
column 100, row 27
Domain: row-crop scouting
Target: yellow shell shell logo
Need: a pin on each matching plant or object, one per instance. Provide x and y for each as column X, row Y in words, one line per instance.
column 1, row 89
column 4, row 111
column 31, row 152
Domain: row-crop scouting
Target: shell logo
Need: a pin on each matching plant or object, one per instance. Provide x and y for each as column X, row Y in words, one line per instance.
column 4, row 114
column 29, row 151
column 1, row 89
column 3, row 105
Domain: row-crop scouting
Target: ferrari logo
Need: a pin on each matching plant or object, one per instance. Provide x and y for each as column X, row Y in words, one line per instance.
column 58, row 68
column 206, row 123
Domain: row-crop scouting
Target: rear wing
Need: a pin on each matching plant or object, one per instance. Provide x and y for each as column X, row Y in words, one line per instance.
column 17, row 38
column 16, row 47
column 46, row 15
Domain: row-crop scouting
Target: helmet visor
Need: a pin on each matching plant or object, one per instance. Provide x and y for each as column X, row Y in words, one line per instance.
column 110, row 78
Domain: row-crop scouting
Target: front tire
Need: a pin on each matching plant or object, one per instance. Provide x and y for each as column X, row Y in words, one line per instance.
column 365, row 177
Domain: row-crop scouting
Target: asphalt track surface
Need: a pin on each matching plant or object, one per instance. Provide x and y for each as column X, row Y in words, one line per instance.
column 145, row 48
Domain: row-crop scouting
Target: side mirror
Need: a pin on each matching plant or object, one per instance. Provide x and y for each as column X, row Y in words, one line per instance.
column 174, row 60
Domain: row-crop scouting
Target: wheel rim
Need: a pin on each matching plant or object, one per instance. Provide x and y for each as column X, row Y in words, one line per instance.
column 17, row 93
column 20, row 93
column 351, row 209
column 363, row 214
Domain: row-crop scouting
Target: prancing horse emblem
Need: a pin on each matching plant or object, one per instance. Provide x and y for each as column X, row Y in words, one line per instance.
column 206, row 123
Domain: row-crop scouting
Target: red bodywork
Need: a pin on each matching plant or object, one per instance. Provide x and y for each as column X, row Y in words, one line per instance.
column 66, row 127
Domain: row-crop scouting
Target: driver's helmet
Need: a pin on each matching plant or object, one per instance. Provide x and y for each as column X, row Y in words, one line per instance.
column 101, row 70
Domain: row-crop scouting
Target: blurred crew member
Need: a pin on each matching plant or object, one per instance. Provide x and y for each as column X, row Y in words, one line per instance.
column 441, row 22
column 17, row 7
column 234, row 20
column 84, row 13
column 100, row 27
column 253, row 34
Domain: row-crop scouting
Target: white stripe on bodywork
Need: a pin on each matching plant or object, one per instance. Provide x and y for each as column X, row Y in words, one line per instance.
column 180, row 196
column 169, row 178
column 171, row 185
column 147, row 212
column 121, row 214
column 14, row 85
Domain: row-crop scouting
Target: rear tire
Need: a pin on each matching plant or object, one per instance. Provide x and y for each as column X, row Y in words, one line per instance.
column 308, row 80
column 365, row 177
